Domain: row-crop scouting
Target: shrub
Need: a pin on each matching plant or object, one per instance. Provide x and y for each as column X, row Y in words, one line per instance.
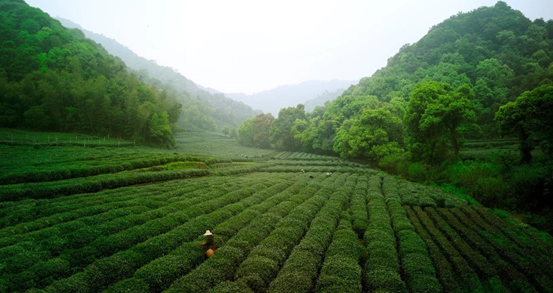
column 292, row 281
column 417, row 172
column 260, row 266
column 417, row 264
column 392, row 163
column 231, row 287
column 382, row 260
column 161, row 272
column 423, row 283
column 386, row 280
column 129, row 285
column 411, row 242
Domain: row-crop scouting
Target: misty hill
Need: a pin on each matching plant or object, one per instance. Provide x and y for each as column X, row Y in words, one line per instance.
column 321, row 99
column 271, row 101
column 224, row 111
column 54, row 79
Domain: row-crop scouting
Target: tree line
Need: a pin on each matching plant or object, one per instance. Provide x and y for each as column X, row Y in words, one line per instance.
column 54, row 79
column 484, row 74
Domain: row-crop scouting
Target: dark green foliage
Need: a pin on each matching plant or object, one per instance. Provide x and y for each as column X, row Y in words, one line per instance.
column 340, row 275
column 73, row 84
column 129, row 285
column 415, row 264
column 261, row 266
column 385, row 280
column 528, row 117
column 437, row 116
column 444, row 270
column 276, row 232
column 410, row 242
column 491, row 54
column 424, row 283
column 231, row 287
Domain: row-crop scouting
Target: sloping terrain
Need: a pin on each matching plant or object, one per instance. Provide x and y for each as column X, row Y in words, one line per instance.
column 276, row 229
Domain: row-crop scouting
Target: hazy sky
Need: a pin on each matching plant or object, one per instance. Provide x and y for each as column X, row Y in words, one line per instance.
column 250, row 46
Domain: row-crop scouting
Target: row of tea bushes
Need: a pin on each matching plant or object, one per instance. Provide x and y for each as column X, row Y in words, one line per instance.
column 33, row 214
column 302, row 267
column 514, row 270
column 93, row 184
column 124, row 264
column 467, row 277
column 161, row 272
column 147, row 226
column 416, row 265
column 358, row 206
column 309, row 164
column 426, row 196
column 319, row 170
column 98, row 166
column 523, row 235
column 382, row 265
column 341, row 271
column 444, row 269
column 65, row 223
column 304, row 156
column 263, row 243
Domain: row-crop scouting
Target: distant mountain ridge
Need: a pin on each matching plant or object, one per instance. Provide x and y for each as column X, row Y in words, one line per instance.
column 225, row 110
column 271, row 101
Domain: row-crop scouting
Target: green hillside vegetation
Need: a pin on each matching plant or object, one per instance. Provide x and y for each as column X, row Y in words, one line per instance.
column 131, row 219
column 485, row 75
column 55, row 79
column 294, row 202
column 203, row 110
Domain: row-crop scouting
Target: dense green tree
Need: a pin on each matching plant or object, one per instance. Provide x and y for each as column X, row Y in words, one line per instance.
column 225, row 130
column 160, row 130
column 255, row 132
column 233, row 133
column 52, row 78
column 245, row 134
column 375, row 134
column 261, row 127
column 437, row 118
column 282, row 135
column 490, row 55
column 491, row 91
column 530, row 119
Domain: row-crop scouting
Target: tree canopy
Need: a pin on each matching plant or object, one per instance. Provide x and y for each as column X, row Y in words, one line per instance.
column 54, row 79
column 529, row 118
column 438, row 91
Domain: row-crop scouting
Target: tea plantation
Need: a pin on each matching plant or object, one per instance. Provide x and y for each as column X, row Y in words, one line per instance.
column 126, row 218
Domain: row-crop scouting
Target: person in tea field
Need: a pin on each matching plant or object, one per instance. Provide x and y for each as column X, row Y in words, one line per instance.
column 210, row 242
column 302, row 171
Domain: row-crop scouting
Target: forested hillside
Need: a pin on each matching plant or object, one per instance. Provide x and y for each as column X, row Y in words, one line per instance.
column 52, row 78
column 482, row 75
column 203, row 109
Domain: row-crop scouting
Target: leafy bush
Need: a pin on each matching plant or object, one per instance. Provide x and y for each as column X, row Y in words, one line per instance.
column 231, row 287
column 386, row 280
column 129, row 285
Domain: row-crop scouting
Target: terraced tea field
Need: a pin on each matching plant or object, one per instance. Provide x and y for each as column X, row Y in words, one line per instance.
column 132, row 220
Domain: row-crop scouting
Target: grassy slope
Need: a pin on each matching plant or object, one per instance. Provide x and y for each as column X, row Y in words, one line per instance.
column 357, row 230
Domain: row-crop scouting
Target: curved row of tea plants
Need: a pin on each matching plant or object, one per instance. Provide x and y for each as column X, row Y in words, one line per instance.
column 255, row 260
column 160, row 273
column 32, row 263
